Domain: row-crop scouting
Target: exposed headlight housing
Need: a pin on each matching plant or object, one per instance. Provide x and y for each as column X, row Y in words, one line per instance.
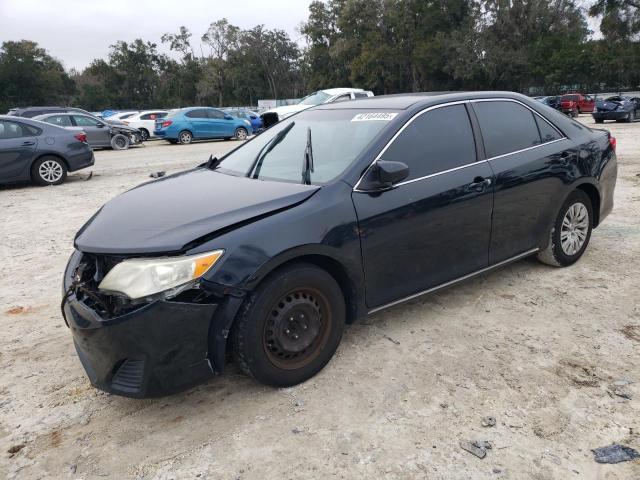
column 247, row 122
column 143, row 277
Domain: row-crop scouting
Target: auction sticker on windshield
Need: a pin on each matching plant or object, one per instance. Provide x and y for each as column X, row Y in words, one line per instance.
column 367, row 117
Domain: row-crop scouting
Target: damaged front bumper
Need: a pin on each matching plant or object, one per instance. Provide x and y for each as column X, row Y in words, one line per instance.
column 150, row 350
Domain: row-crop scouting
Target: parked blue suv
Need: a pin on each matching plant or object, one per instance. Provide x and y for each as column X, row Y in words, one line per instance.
column 200, row 123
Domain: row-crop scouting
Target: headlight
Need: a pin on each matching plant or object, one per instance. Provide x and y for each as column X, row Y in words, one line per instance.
column 142, row 277
column 247, row 122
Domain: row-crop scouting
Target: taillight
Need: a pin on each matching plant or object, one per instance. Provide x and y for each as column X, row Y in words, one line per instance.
column 613, row 142
column 166, row 123
column 81, row 137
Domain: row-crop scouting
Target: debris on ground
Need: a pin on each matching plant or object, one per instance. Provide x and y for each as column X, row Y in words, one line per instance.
column 17, row 310
column 488, row 421
column 15, row 449
column 614, row 454
column 89, row 176
column 391, row 339
column 158, row 174
column 477, row 447
column 297, row 430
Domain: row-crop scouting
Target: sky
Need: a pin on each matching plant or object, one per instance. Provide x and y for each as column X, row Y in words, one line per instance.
column 77, row 31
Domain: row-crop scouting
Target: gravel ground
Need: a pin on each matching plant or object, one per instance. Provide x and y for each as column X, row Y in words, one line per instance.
column 545, row 351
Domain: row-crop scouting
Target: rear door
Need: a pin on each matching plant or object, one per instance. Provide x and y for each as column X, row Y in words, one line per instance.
column 98, row 133
column 531, row 160
column 434, row 226
column 220, row 125
column 199, row 123
column 18, row 143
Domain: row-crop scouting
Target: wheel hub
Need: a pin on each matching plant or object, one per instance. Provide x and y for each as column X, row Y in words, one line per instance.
column 575, row 226
column 293, row 326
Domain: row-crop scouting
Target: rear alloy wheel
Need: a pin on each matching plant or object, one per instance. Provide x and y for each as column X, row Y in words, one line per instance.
column 571, row 231
column 185, row 137
column 49, row 171
column 120, row 142
column 144, row 133
column 241, row 134
column 290, row 327
column 599, row 120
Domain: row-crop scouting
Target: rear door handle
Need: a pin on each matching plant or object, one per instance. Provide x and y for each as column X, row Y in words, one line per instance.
column 479, row 184
column 28, row 143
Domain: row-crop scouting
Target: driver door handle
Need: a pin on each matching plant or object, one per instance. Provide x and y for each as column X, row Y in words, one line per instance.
column 480, row 183
column 28, row 143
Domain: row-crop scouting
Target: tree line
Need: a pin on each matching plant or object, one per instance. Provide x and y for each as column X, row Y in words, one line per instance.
column 388, row 46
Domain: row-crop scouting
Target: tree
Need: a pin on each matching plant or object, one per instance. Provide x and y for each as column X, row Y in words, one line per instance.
column 620, row 18
column 30, row 76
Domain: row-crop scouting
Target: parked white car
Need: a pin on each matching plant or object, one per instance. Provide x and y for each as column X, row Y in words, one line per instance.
column 330, row 95
column 145, row 121
column 122, row 115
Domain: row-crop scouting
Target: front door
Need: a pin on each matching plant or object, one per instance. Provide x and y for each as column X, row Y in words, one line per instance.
column 221, row 125
column 17, row 144
column 98, row 133
column 434, row 226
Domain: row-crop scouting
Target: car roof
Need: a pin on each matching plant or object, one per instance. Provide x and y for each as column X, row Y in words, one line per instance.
column 404, row 101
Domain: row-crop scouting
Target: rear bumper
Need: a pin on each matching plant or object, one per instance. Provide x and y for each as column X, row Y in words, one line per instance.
column 613, row 115
column 81, row 160
column 160, row 133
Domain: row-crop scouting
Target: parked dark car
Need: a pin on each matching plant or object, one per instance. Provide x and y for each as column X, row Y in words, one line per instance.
column 100, row 133
column 335, row 213
column 618, row 108
column 42, row 153
column 553, row 102
column 30, row 112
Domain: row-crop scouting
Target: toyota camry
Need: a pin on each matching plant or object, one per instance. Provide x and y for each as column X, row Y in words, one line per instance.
column 330, row 215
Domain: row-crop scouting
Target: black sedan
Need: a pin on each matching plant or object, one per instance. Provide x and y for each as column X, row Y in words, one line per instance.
column 335, row 213
column 619, row 108
column 42, row 153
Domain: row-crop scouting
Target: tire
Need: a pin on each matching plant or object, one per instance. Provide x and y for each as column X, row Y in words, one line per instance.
column 49, row 170
column 120, row 142
column 241, row 134
column 185, row 137
column 172, row 142
column 144, row 133
column 631, row 117
column 574, row 113
column 599, row 120
column 559, row 254
column 273, row 341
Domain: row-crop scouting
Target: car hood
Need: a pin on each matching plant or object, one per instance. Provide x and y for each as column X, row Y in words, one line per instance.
column 167, row 215
column 288, row 110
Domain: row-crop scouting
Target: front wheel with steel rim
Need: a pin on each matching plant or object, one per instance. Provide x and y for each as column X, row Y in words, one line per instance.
column 290, row 327
column 571, row 231
column 185, row 137
column 241, row 134
column 49, row 171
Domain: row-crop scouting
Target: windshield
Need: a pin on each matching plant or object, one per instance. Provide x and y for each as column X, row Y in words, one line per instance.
column 338, row 137
column 315, row 98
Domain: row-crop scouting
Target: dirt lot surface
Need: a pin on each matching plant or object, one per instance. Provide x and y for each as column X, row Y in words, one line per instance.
column 547, row 352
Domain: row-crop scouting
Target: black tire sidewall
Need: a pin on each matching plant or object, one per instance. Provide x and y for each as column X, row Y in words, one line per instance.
column 144, row 134
column 116, row 138
column 248, row 331
column 562, row 258
column 35, row 171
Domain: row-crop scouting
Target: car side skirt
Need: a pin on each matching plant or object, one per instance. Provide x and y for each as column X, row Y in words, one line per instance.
column 457, row 280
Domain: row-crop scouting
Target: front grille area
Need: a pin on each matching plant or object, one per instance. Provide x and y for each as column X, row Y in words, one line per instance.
column 128, row 378
column 88, row 275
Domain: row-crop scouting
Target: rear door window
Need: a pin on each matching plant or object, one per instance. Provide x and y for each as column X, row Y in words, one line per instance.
column 83, row 121
column 506, row 127
column 436, row 141
column 59, row 120
column 10, row 130
column 215, row 114
column 198, row 113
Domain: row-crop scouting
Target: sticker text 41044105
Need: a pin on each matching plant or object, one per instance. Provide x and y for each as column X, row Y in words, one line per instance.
column 374, row 116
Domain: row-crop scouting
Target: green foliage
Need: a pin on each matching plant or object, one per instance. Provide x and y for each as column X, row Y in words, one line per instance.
column 388, row 46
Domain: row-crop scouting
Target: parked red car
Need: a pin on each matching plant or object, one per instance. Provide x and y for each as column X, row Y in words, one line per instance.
column 575, row 103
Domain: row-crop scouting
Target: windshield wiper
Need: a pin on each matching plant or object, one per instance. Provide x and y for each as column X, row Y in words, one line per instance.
column 264, row 151
column 307, row 166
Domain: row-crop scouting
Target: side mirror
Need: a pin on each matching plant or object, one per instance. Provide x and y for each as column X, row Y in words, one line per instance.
column 100, row 125
column 383, row 175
